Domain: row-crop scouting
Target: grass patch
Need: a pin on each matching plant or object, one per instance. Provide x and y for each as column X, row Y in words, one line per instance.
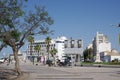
column 105, row 63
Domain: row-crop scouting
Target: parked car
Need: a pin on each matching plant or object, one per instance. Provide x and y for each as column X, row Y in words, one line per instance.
column 65, row 62
column 2, row 60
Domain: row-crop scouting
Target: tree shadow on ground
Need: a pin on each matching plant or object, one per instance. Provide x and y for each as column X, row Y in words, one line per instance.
column 10, row 74
column 7, row 74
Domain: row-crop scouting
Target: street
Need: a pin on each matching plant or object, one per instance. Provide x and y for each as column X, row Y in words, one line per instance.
column 43, row 72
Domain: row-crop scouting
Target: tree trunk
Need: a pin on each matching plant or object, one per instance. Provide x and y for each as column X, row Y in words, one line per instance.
column 54, row 61
column 17, row 66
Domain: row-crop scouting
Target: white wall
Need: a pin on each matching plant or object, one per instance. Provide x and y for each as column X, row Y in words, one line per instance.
column 110, row 58
column 115, row 57
column 104, row 47
column 60, row 50
column 74, row 51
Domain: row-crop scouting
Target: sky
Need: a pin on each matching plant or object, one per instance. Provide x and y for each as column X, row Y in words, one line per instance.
column 81, row 19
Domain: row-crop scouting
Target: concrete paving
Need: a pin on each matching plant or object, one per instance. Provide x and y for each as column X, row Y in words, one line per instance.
column 94, row 73
column 43, row 72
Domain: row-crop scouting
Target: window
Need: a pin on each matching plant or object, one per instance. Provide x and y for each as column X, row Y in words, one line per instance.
column 79, row 43
column 72, row 43
column 66, row 43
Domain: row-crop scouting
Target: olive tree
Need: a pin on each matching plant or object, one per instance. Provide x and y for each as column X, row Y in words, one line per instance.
column 16, row 25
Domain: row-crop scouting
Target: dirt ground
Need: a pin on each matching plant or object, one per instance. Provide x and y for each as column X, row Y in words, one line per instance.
column 9, row 74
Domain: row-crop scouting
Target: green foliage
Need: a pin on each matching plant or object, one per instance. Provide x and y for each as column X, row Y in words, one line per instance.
column 115, row 61
column 16, row 25
column 53, row 51
column 31, row 39
column 13, row 30
column 102, row 63
column 39, row 20
column 88, row 54
column 15, row 35
column 37, row 47
column 48, row 41
column 9, row 11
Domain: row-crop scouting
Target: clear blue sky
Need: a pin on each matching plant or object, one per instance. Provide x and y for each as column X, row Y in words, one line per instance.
column 81, row 19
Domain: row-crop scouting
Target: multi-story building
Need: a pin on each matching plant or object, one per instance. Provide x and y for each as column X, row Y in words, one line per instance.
column 100, row 44
column 74, row 49
column 64, row 47
column 32, row 54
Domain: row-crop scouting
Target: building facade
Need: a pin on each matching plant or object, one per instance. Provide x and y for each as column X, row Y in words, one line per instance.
column 74, row 49
column 110, row 56
column 64, row 47
column 100, row 44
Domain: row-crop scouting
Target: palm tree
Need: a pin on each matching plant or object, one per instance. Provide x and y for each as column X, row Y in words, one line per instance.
column 31, row 40
column 37, row 48
column 88, row 54
column 48, row 41
column 53, row 53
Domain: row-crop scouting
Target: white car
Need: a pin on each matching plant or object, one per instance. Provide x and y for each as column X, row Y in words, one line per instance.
column 2, row 60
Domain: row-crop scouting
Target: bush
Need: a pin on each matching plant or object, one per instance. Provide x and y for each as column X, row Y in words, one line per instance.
column 115, row 61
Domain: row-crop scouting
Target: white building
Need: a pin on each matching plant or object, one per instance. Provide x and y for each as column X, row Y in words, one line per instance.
column 110, row 56
column 73, row 47
column 59, row 45
column 90, row 46
column 100, row 44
